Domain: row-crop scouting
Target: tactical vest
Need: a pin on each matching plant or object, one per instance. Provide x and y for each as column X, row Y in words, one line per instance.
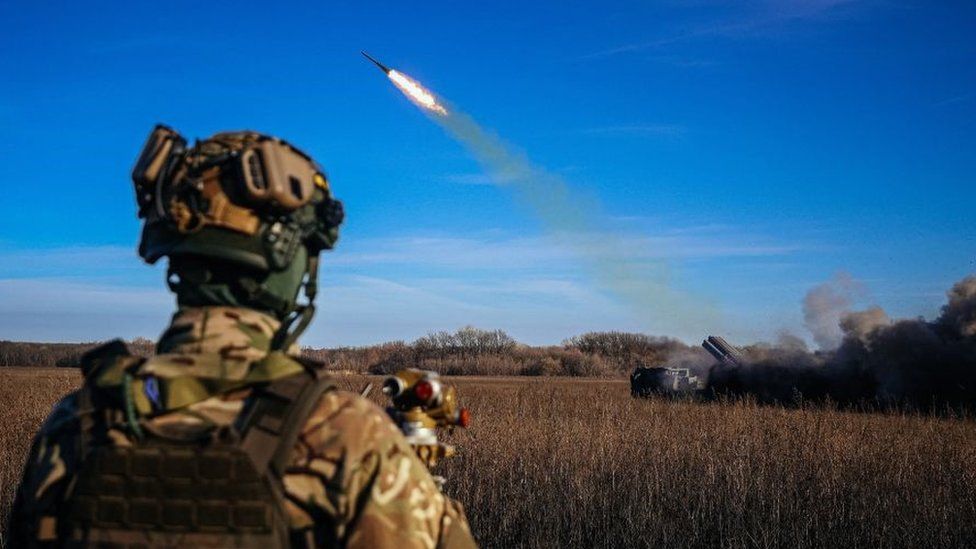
column 223, row 490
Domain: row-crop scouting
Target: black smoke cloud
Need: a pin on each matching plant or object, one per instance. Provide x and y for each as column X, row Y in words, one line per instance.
column 926, row 364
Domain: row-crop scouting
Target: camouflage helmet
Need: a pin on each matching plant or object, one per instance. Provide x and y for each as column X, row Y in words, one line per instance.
column 242, row 217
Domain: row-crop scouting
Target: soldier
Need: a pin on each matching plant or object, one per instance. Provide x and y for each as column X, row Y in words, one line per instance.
column 227, row 438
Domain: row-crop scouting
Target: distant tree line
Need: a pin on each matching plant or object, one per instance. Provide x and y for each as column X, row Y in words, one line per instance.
column 466, row 351
column 471, row 351
column 22, row 353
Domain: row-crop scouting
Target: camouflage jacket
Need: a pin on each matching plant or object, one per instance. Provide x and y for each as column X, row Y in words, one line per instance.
column 353, row 481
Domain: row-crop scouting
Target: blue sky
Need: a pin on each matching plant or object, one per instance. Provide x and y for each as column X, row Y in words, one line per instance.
column 755, row 148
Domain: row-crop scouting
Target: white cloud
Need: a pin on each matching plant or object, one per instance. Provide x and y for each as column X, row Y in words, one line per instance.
column 67, row 310
column 472, row 179
column 55, row 295
column 537, row 288
column 361, row 310
column 72, row 259
column 638, row 130
column 508, row 253
column 954, row 100
column 758, row 18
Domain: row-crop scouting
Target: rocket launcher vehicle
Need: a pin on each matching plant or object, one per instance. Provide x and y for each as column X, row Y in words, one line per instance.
column 722, row 351
column 671, row 380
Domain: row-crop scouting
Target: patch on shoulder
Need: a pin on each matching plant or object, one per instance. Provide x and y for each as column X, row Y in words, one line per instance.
column 150, row 388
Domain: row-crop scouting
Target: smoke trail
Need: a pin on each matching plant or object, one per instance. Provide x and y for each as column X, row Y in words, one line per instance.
column 570, row 217
column 578, row 221
column 914, row 362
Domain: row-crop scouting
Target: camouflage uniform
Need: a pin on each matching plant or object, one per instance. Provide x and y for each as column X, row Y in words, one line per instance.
column 353, row 480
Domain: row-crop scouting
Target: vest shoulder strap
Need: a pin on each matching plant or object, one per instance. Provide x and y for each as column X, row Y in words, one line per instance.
column 275, row 415
column 107, row 360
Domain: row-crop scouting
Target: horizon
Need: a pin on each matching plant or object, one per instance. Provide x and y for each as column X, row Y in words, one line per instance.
column 741, row 153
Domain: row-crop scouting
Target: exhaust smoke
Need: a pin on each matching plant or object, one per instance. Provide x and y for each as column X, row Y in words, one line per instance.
column 926, row 364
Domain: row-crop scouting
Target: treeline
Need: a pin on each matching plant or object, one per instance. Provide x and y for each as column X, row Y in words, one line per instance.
column 24, row 353
column 470, row 351
column 467, row 351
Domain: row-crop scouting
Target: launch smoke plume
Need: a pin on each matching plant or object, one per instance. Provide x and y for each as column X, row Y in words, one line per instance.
column 823, row 307
column 913, row 362
column 571, row 217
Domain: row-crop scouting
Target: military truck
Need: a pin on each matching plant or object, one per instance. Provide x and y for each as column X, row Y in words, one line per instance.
column 667, row 380
column 663, row 380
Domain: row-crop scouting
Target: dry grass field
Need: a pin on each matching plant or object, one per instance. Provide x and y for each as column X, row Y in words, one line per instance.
column 578, row 463
column 26, row 397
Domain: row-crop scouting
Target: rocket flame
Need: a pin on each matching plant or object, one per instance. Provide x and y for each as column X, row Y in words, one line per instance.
column 417, row 93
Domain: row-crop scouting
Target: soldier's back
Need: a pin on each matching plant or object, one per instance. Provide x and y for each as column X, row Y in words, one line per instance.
column 193, row 476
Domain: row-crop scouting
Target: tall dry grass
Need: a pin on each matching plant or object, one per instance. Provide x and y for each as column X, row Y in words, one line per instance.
column 26, row 397
column 563, row 463
column 557, row 462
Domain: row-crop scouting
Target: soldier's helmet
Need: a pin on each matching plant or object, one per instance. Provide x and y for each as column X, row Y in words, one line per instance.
column 242, row 217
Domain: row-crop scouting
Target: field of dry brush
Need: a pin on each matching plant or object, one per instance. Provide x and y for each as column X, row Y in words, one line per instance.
column 570, row 462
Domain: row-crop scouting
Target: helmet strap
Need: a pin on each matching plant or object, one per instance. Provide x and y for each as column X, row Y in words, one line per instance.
column 285, row 337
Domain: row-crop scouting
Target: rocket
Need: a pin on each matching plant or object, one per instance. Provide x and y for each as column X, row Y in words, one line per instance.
column 382, row 67
column 420, row 95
